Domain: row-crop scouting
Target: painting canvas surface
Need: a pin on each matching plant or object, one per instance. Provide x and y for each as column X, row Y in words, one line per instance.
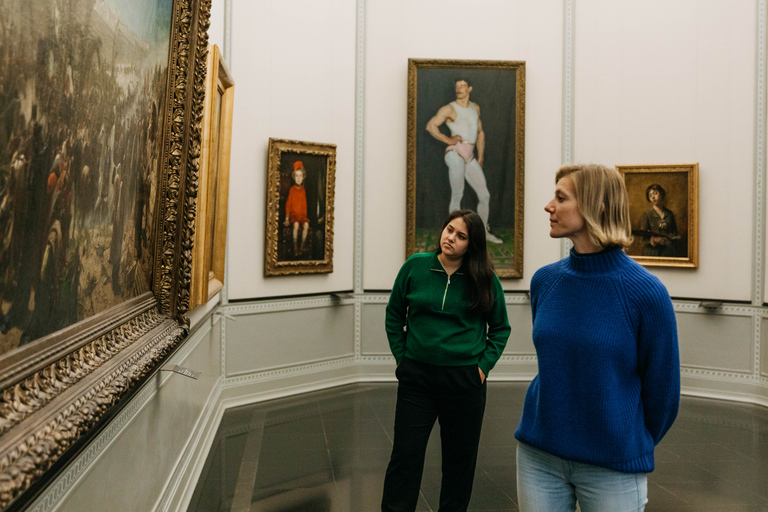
column 480, row 104
column 82, row 84
column 310, row 198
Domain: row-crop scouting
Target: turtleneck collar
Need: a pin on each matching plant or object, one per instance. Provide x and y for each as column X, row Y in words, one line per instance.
column 610, row 259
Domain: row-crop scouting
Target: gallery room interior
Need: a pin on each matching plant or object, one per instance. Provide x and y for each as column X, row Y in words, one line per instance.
column 292, row 405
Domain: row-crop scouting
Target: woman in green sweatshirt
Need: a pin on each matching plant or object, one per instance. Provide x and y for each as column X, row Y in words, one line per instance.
column 447, row 326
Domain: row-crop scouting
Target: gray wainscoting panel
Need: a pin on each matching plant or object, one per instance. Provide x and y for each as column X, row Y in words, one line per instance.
column 373, row 337
column 520, row 340
column 277, row 339
column 716, row 342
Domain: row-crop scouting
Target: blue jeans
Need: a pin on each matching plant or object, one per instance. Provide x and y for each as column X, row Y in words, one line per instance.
column 546, row 483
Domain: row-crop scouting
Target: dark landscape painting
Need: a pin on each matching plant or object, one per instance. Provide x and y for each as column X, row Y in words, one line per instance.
column 82, row 84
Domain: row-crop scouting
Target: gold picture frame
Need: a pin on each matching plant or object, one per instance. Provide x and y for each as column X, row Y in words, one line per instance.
column 299, row 231
column 664, row 212
column 116, row 122
column 496, row 187
column 213, row 197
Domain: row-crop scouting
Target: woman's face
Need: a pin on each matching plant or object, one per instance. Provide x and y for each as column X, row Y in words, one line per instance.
column 454, row 240
column 654, row 196
column 565, row 219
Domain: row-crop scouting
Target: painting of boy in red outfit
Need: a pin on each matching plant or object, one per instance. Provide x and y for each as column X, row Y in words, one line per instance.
column 300, row 184
column 296, row 208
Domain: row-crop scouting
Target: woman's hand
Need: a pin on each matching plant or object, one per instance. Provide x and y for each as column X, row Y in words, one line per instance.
column 482, row 375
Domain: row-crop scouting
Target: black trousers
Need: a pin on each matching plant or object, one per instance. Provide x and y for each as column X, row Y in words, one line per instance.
column 454, row 396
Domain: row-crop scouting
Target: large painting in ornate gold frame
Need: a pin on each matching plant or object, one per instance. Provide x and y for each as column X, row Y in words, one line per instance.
column 664, row 212
column 487, row 175
column 99, row 147
column 301, row 179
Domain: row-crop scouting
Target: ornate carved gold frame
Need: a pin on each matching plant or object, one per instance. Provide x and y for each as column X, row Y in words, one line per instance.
column 414, row 131
column 638, row 177
column 211, row 220
column 54, row 396
column 279, row 150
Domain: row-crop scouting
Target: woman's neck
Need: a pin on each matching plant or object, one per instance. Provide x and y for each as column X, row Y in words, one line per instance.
column 585, row 245
column 449, row 265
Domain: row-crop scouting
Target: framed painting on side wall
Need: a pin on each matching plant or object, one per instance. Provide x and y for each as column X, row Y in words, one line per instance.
column 301, row 179
column 213, row 196
column 664, row 212
column 100, row 105
column 466, row 149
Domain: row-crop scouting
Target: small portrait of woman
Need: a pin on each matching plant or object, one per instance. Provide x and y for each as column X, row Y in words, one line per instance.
column 663, row 210
column 657, row 224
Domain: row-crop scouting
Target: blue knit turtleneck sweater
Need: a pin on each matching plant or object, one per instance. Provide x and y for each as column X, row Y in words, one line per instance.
column 608, row 387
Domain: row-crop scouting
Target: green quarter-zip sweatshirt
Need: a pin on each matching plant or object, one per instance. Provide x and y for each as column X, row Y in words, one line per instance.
column 428, row 317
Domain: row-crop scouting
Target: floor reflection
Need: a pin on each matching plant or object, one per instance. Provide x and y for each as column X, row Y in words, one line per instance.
column 327, row 452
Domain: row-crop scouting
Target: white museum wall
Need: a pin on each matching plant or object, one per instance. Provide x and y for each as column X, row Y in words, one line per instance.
column 660, row 82
column 496, row 30
column 294, row 67
column 216, row 32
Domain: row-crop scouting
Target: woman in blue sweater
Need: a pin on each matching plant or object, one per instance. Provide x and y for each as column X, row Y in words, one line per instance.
column 604, row 329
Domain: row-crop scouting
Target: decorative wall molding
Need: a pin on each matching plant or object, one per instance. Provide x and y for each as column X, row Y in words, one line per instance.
column 568, row 81
column 758, row 265
column 51, row 498
column 28, row 396
column 285, row 305
column 725, row 310
column 26, row 455
column 227, row 51
column 288, row 371
column 383, row 298
column 758, row 338
column 567, row 150
column 55, row 493
column 718, row 374
column 358, row 328
column 359, row 145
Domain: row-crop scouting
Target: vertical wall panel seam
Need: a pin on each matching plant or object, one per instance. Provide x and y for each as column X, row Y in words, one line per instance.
column 228, row 31
column 758, row 321
column 359, row 154
column 359, row 143
column 568, row 85
column 228, row 58
column 760, row 153
column 760, row 156
column 223, row 361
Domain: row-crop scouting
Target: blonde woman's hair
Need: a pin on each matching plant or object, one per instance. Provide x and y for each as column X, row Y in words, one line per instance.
column 603, row 202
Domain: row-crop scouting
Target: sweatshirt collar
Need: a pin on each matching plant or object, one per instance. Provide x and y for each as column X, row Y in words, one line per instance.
column 610, row 259
column 438, row 267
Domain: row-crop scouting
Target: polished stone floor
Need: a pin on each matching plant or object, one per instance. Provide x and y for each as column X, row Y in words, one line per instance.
column 327, row 452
